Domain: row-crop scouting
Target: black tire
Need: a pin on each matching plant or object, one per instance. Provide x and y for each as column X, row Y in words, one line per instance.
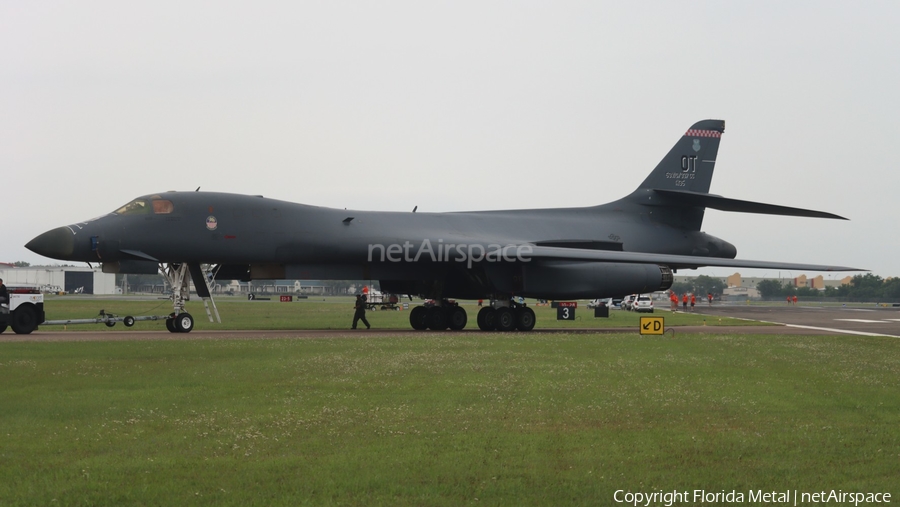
column 128, row 321
column 2, row 328
column 110, row 323
column 24, row 319
column 458, row 318
column 437, row 318
column 170, row 324
column 525, row 319
column 485, row 319
column 417, row 318
column 184, row 322
column 505, row 319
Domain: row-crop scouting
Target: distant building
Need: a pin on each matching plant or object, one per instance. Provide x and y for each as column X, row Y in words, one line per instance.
column 739, row 293
column 71, row 279
column 739, row 287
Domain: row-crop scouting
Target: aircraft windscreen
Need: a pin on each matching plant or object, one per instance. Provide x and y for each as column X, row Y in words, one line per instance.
column 141, row 207
column 135, row 207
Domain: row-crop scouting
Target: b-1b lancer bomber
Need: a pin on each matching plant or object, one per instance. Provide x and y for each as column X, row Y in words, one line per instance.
column 632, row 245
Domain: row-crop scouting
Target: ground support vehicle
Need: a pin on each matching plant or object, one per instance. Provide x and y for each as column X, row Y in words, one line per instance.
column 23, row 312
column 382, row 301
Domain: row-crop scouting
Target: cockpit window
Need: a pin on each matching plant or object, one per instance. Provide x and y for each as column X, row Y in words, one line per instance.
column 143, row 207
column 162, row 206
column 135, row 207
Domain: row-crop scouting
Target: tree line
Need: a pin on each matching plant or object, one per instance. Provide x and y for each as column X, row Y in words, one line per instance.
column 867, row 287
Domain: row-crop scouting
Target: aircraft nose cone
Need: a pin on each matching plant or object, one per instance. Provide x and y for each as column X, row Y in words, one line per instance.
column 58, row 243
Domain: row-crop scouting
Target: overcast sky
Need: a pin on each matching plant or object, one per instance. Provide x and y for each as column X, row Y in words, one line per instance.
column 456, row 106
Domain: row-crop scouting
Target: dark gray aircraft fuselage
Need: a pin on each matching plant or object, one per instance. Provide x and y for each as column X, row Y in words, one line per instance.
column 628, row 246
column 268, row 238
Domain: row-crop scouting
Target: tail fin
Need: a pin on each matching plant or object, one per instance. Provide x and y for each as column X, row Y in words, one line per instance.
column 689, row 164
column 678, row 188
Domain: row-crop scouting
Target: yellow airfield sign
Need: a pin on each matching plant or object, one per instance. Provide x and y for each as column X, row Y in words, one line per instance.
column 653, row 325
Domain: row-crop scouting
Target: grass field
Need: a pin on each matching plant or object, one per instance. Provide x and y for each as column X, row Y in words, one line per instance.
column 494, row 419
column 331, row 313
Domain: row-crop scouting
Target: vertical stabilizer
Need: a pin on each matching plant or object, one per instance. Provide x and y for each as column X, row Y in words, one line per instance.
column 689, row 164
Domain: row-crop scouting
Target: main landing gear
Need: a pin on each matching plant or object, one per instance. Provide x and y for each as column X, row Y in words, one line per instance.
column 507, row 316
column 437, row 317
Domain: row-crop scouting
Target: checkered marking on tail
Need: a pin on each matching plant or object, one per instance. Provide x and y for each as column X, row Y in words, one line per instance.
column 702, row 133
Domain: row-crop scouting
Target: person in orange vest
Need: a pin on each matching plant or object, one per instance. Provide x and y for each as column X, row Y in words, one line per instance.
column 795, row 300
column 693, row 301
column 709, row 298
column 684, row 301
column 789, row 299
column 674, row 299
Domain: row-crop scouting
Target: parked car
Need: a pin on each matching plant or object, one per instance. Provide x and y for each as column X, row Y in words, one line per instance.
column 614, row 303
column 628, row 302
column 643, row 304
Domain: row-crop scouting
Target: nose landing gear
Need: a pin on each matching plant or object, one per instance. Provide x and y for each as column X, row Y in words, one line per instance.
column 178, row 277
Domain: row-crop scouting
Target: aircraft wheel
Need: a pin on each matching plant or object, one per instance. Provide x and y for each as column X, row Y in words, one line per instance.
column 525, row 319
column 170, row 324
column 128, row 321
column 2, row 328
column 505, row 319
column 24, row 319
column 485, row 319
column 437, row 318
column 417, row 318
column 110, row 323
column 184, row 322
column 458, row 318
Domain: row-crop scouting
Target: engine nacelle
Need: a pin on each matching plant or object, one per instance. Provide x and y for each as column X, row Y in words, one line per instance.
column 590, row 280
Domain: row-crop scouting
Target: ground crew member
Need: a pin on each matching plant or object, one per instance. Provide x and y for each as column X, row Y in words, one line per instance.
column 684, row 302
column 795, row 300
column 360, row 311
column 709, row 298
column 693, row 301
column 789, row 299
column 674, row 299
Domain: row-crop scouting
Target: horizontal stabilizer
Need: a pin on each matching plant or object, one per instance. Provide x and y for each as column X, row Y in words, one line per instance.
column 700, row 200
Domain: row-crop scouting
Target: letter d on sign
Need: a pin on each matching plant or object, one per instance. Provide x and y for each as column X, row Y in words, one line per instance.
column 653, row 325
